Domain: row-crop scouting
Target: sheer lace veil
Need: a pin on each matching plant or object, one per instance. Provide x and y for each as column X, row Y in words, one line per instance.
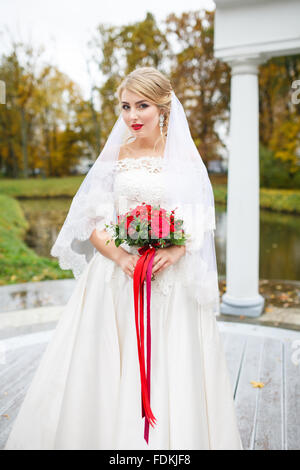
column 187, row 188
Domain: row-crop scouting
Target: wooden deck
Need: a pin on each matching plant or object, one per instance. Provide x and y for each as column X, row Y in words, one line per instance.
column 268, row 417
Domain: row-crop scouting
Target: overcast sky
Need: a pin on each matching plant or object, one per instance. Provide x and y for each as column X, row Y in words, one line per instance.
column 65, row 26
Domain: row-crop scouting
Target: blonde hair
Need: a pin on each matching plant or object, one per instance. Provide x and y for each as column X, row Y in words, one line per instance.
column 153, row 86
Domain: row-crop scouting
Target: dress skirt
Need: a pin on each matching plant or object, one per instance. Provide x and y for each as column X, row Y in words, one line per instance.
column 86, row 391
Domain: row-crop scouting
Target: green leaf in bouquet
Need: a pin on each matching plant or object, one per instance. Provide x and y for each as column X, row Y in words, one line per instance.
column 178, row 241
column 144, row 234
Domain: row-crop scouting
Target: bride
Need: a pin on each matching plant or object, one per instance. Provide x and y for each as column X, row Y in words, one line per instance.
column 86, row 392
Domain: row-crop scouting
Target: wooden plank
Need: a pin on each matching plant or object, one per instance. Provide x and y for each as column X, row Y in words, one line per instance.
column 269, row 433
column 234, row 346
column 268, row 418
column 246, row 396
column 15, row 380
column 291, row 388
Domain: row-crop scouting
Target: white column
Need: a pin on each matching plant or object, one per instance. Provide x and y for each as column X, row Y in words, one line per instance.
column 242, row 253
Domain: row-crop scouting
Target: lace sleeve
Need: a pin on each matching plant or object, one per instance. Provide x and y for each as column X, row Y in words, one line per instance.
column 198, row 213
column 73, row 248
column 197, row 220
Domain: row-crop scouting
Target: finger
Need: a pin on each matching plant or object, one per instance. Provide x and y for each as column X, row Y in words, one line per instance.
column 155, row 261
column 130, row 271
column 157, row 266
column 158, row 271
column 164, row 266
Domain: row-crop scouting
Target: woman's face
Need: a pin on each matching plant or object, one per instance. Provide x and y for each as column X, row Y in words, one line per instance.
column 138, row 110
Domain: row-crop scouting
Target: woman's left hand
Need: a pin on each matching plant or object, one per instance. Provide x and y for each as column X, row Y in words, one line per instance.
column 165, row 257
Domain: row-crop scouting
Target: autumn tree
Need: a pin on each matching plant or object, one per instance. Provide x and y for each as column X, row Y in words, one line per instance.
column 202, row 82
column 280, row 118
column 16, row 116
column 120, row 49
column 45, row 123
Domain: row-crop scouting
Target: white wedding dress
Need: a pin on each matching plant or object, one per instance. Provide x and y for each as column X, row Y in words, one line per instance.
column 86, row 392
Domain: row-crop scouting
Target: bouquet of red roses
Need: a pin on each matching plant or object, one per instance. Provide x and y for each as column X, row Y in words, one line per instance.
column 147, row 227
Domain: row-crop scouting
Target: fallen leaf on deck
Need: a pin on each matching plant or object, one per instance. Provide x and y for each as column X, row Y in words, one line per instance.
column 257, row 384
column 283, row 296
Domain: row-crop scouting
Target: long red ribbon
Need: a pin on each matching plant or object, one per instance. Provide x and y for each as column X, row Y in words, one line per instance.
column 143, row 268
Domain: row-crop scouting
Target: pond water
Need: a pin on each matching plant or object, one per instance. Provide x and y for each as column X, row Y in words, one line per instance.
column 279, row 236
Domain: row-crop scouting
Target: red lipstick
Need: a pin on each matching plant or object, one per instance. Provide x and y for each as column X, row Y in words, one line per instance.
column 136, row 127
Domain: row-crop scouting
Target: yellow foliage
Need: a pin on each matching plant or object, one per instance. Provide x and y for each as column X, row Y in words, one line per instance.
column 257, row 384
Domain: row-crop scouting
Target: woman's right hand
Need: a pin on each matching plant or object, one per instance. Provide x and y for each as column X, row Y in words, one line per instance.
column 127, row 263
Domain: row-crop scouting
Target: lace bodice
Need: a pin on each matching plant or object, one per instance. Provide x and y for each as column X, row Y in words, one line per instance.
column 138, row 180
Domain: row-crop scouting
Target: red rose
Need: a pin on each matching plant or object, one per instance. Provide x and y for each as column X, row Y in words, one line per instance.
column 130, row 218
column 160, row 226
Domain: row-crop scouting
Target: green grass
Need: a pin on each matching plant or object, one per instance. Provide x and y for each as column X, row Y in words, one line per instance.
column 220, row 193
column 276, row 200
column 37, row 187
column 280, row 200
column 18, row 263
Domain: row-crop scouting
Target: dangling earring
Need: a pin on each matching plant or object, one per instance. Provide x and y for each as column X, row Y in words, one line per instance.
column 161, row 123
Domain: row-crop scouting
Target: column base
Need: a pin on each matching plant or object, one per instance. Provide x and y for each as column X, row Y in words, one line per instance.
column 248, row 307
